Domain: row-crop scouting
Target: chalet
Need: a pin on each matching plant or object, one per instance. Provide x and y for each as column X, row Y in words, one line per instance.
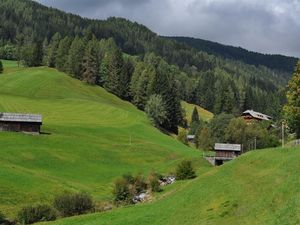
column 250, row 116
column 226, row 152
column 16, row 122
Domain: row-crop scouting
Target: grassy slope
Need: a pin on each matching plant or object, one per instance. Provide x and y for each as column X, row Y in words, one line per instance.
column 203, row 114
column 89, row 142
column 260, row 187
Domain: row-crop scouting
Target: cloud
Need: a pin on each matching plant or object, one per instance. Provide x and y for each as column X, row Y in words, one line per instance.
column 269, row 26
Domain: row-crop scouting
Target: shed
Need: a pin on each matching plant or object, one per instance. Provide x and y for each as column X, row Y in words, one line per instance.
column 17, row 122
column 226, row 152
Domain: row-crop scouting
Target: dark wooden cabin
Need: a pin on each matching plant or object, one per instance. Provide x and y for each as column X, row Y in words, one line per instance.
column 16, row 122
column 226, row 152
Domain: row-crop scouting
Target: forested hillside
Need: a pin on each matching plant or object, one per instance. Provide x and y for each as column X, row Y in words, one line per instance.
column 36, row 35
column 277, row 62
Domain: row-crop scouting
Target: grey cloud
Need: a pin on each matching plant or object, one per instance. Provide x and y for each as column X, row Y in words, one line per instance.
column 269, row 26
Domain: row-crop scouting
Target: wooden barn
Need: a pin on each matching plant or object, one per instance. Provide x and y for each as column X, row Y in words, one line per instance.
column 250, row 116
column 16, row 122
column 226, row 152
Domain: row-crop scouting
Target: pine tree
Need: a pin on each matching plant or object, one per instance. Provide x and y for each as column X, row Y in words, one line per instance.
column 1, row 67
column 52, row 50
column 62, row 54
column 195, row 116
column 292, row 108
column 75, row 58
column 90, row 65
column 115, row 69
column 126, row 75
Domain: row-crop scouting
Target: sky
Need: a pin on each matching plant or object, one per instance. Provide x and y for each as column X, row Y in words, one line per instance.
column 267, row 26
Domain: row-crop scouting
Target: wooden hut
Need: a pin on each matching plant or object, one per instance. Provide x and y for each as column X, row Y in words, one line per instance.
column 226, row 152
column 250, row 116
column 16, row 122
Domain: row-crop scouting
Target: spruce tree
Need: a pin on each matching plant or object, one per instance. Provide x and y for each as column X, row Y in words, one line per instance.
column 90, row 64
column 75, row 58
column 115, row 69
column 62, row 54
column 195, row 116
column 292, row 108
column 1, row 67
column 52, row 50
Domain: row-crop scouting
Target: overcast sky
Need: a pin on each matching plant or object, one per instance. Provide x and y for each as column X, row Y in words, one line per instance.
column 268, row 26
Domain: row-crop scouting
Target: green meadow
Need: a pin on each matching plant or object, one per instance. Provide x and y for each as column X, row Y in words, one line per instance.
column 258, row 188
column 90, row 138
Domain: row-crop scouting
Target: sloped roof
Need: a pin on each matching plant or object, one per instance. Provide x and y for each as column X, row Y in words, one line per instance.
column 19, row 117
column 257, row 115
column 227, row 147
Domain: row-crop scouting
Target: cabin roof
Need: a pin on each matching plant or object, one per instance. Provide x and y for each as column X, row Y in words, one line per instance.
column 257, row 115
column 227, row 147
column 19, row 117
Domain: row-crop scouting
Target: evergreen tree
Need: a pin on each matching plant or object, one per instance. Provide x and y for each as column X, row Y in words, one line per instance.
column 292, row 108
column 61, row 61
column 75, row 58
column 1, row 67
column 90, row 66
column 52, row 50
column 115, row 69
column 126, row 75
column 195, row 116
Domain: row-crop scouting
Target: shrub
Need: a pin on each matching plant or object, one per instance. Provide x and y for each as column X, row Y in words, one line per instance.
column 140, row 184
column 182, row 136
column 185, row 170
column 154, row 184
column 2, row 218
column 70, row 204
column 33, row 214
column 123, row 193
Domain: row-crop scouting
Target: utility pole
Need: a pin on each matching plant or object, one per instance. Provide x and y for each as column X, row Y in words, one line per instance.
column 255, row 143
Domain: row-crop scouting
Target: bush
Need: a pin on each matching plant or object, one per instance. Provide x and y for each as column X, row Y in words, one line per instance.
column 140, row 184
column 123, row 193
column 182, row 136
column 185, row 170
column 154, row 184
column 33, row 214
column 70, row 204
column 2, row 218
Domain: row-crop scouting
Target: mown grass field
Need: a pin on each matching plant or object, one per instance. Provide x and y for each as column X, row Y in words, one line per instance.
column 90, row 138
column 203, row 113
column 258, row 188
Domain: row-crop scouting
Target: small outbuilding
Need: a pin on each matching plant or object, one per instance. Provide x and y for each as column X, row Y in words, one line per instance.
column 17, row 122
column 226, row 152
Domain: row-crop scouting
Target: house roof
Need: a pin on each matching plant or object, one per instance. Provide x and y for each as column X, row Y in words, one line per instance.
column 18, row 117
column 227, row 147
column 257, row 115
column 190, row 136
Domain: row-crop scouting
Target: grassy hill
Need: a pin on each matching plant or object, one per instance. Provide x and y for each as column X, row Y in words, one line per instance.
column 260, row 187
column 203, row 113
column 90, row 138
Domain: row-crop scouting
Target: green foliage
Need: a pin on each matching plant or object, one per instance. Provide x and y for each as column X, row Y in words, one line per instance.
column 156, row 110
column 38, row 213
column 61, row 59
column 90, row 64
column 185, row 170
column 292, row 108
column 218, row 125
column 195, row 116
column 70, row 204
column 2, row 218
column 139, row 184
column 203, row 139
column 75, row 57
column 154, row 184
column 182, row 136
column 122, row 191
column 1, row 67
